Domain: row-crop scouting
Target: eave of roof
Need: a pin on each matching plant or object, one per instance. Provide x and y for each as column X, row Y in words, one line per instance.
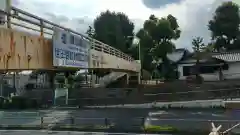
column 227, row 56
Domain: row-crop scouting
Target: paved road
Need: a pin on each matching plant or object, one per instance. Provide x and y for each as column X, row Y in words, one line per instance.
column 36, row 132
column 122, row 118
column 195, row 103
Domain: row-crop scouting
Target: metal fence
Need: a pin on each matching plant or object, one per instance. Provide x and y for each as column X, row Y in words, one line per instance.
column 60, row 122
column 135, row 97
column 123, row 96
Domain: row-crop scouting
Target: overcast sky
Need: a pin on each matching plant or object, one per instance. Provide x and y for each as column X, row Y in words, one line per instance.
column 192, row 15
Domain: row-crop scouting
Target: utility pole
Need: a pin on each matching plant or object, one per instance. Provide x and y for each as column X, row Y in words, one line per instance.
column 139, row 56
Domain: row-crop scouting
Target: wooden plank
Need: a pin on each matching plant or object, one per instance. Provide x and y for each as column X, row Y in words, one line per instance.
column 22, row 51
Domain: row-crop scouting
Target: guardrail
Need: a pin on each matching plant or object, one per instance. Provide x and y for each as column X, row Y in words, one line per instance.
column 140, row 124
column 60, row 122
column 34, row 23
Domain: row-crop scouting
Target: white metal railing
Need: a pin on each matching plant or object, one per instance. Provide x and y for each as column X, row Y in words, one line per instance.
column 31, row 22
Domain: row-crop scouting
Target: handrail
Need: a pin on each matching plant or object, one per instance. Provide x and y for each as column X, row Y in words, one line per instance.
column 48, row 25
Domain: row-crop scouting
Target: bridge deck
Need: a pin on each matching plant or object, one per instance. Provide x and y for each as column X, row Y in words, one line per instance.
column 24, row 50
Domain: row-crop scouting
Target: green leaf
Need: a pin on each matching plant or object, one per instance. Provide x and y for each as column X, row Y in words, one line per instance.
column 114, row 29
column 224, row 26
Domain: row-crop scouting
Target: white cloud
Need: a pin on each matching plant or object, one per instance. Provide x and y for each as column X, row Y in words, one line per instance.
column 192, row 15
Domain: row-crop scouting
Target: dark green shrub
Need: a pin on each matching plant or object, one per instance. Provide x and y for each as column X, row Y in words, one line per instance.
column 6, row 104
column 31, row 104
column 60, row 79
column 19, row 102
column 29, row 86
column 1, row 102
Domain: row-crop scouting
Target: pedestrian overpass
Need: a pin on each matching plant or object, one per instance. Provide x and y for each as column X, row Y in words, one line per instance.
column 26, row 43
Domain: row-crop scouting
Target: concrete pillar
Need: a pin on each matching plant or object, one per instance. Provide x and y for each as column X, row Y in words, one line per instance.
column 139, row 78
column 127, row 79
column 66, row 84
column 14, row 80
column 92, row 79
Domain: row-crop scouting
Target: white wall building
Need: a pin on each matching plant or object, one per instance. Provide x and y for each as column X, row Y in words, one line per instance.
column 210, row 66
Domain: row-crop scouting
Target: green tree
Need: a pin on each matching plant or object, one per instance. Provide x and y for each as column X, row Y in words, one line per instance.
column 198, row 47
column 145, row 43
column 209, row 47
column 114, row 29
column 90, row 32
column 156, row 40
column 225, row 26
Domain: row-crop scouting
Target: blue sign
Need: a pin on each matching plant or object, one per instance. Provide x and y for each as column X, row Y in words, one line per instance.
column 70, row 50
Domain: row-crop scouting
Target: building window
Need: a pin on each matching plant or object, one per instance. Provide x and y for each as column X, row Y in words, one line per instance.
column 187, row 70
column 208, row 69
column 64, row 38
column 72, row 39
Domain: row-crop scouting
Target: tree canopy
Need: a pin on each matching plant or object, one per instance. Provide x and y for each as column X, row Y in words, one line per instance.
column 225, row 26
column 157, row 35
column 198, row 48
column 198, row 45
column 114, row 29
column 156, row 40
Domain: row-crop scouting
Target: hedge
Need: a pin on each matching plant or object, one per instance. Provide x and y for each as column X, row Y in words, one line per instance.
column 18, row 102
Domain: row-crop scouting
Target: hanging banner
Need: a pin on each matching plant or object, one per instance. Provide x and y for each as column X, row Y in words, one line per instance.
column 70, row 50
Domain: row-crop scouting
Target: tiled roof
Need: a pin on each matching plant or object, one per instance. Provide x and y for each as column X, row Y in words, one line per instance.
column 228, row 57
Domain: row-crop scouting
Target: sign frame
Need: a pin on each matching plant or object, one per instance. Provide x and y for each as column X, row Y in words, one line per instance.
column 70, row 50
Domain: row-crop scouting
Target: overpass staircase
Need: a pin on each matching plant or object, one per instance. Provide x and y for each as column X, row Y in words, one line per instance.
column 31, row 83
column 109, row 78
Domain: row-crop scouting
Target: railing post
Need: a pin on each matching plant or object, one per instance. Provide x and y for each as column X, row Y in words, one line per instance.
column 41, row 122
column 142, row 121
column 72, row 121
column 106, row 121
column 143, row 124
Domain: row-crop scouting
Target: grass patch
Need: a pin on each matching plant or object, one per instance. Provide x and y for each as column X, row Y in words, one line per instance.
column 154, row 128
column 82, row 127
